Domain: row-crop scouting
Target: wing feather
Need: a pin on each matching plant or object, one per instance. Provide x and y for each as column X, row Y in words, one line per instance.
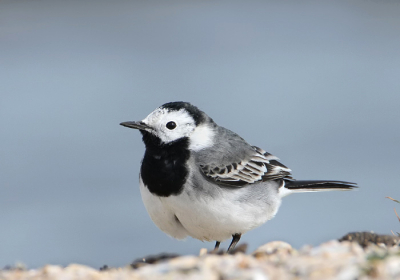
column 260, row 166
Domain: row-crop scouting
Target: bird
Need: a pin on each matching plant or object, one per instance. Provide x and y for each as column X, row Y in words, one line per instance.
column 202, row 180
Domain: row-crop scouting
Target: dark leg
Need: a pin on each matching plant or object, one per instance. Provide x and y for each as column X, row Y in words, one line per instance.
column 216, row 246
column 235, row 240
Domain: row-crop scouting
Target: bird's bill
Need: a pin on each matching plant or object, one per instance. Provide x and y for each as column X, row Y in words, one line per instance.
column 136, row 125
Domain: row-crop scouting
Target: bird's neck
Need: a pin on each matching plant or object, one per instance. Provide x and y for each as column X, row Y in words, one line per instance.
column 164, row 170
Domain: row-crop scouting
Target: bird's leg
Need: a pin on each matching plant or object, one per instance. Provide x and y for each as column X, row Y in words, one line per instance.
column 215, row 251
column 216, row 246
column 235, row 240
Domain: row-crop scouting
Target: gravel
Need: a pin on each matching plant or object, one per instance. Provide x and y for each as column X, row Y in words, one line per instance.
column 275, row 260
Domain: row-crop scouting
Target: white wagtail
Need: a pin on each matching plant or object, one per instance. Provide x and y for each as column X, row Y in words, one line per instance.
column 203, row 180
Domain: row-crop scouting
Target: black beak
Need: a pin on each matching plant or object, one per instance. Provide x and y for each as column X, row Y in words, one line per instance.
column 136, row 125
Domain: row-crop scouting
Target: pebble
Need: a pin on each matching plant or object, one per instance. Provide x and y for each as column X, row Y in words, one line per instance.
column 275, row 260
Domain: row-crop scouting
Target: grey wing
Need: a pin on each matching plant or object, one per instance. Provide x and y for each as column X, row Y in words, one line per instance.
column 244, row 164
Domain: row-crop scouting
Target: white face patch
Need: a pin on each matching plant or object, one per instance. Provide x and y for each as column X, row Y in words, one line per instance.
column 201, row 138
column 159, row 118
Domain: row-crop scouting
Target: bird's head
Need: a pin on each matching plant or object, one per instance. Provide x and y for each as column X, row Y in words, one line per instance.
column 175, row 121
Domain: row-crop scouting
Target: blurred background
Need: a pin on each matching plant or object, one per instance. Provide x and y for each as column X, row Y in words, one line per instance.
column 315, row 83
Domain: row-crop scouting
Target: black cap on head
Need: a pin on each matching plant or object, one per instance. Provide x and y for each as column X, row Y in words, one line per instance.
column 197, row 115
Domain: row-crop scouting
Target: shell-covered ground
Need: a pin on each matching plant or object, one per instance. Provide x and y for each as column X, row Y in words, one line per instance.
column 364, row 257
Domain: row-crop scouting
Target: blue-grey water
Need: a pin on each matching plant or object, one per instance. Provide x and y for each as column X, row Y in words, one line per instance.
column 316, row 83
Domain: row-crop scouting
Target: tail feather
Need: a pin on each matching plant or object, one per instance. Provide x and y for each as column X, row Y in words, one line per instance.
column 292, row 186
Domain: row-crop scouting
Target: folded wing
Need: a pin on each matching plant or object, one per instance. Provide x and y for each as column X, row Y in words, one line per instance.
column 258, row 166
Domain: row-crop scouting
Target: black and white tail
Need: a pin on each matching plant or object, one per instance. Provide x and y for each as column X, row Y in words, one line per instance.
column 296, row 186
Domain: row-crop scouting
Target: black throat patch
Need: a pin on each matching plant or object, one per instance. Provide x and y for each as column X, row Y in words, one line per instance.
column 164, row 170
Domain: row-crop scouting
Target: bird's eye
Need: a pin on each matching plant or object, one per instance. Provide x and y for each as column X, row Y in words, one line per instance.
column 171, row 125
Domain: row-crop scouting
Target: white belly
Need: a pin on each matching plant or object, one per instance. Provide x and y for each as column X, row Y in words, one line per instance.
column 161, row 214
column 216, row 217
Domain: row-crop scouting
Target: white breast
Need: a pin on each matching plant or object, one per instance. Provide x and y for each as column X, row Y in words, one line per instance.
column 161, row 213
column 213, row 216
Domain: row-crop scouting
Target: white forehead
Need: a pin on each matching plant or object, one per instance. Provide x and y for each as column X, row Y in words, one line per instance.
column 162, row 115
